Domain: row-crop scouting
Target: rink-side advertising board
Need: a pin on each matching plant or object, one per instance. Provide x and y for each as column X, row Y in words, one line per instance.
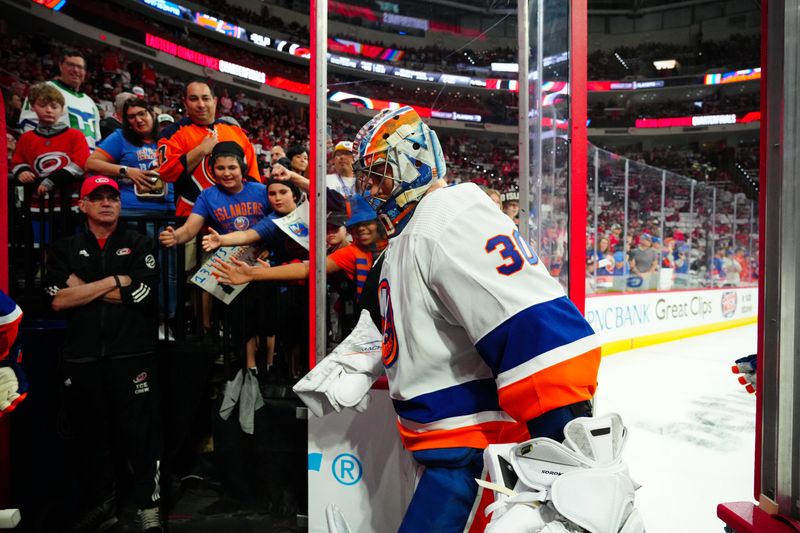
column 357, row 463
column 636, row 315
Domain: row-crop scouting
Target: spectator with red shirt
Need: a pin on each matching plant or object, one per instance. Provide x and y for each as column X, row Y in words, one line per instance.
column 52, row 154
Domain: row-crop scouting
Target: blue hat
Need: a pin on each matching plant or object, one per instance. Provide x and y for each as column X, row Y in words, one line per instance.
column 359, row 210
column 657, row 240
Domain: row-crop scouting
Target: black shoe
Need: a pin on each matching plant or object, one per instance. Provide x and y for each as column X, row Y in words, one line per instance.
column 97, row 519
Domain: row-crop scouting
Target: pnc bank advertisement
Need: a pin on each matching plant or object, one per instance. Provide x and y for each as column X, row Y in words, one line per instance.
column 623, row 316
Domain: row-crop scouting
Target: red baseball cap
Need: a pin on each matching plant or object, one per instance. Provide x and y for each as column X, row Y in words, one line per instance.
column 93, row 183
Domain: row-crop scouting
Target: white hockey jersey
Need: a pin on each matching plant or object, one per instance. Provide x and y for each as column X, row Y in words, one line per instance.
column 80, row 112
column 478, row 338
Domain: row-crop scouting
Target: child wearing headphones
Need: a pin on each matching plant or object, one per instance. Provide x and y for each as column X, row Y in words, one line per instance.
column 232, row 205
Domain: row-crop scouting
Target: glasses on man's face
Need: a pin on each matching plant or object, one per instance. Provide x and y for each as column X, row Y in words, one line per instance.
column 102, row 197
column 76, row 66
column 140, row 115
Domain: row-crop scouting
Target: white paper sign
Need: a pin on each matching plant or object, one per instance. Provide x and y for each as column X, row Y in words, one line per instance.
column 206, row 277
column 295, row 224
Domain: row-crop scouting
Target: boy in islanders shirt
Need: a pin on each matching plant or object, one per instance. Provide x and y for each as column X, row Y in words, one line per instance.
column 354, row 260
column 231, row 205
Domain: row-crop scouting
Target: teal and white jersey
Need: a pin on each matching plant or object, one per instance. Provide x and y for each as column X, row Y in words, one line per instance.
column 80, row 112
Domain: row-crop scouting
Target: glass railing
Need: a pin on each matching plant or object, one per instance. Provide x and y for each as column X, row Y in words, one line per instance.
column 651, row 229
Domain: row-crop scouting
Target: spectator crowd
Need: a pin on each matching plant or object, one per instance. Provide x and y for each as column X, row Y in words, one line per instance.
column 165, row 170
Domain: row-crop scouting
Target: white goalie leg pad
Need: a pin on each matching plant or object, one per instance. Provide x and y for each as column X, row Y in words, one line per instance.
column 497, row 461
column 581, row 485
column 520, row 519
column 599, row 439
column 600, row 500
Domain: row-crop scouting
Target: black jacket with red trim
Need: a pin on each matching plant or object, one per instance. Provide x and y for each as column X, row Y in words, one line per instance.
column 102, row 329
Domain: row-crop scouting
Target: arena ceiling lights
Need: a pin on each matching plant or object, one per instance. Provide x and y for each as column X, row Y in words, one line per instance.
column 666, row 64
column 390, row 54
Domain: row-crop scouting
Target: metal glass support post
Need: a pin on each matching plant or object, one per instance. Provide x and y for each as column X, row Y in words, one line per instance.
column 712, row 236
column 663, row 197
column 319, row 119
column 733, row 224
column 691, row 214
column 750, row 234
column 536, row 114
column 5, row 459
column 596, row 206
column 523, row 135
column 578, row 141
column 785, row 379
column 625, row 225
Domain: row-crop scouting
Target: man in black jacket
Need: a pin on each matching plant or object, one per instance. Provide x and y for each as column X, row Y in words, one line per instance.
column 106, row 278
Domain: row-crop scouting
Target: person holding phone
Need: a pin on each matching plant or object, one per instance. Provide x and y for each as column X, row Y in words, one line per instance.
column 129, row 156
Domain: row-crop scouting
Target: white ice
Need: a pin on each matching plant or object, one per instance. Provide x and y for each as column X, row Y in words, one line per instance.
column 691, row 427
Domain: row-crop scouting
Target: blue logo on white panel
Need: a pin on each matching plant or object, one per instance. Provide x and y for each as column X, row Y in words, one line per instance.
column 347, row 469
column 315, row 461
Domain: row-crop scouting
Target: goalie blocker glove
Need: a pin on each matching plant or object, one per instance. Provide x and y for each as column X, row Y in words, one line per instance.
column 582, row 485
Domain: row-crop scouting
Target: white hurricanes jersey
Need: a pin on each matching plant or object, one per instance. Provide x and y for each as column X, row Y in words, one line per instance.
column 478, row 337
column 80, row 112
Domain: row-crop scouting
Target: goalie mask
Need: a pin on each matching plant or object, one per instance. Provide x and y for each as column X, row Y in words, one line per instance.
column 397, row 158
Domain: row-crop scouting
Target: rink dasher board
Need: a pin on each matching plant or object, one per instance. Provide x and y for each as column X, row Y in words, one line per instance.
column 634, row 315
column 356, row 461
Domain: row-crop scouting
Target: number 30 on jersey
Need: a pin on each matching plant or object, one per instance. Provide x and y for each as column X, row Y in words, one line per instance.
column 514, row 251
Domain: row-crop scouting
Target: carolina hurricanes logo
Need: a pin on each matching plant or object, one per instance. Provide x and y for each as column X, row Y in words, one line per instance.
column 389, row 344
column 728, row 304
column 140, row 378
column 50, row 162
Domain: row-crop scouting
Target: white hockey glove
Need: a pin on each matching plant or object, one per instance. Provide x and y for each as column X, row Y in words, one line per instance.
column 345, row 376
column 583, row 485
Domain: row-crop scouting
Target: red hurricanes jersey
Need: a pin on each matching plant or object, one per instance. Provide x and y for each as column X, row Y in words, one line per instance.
column 177, row 140
column 43, row 154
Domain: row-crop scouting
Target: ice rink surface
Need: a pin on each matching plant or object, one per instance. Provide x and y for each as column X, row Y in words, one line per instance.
column 691, row 427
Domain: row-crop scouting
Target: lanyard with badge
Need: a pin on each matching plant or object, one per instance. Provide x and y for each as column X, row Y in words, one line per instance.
column 347, row 191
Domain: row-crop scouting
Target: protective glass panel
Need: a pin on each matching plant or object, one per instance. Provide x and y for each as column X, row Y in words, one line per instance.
column 607, row 266
column 664, row 231
column 675, row 257
column 549, row 134
column 643, row 223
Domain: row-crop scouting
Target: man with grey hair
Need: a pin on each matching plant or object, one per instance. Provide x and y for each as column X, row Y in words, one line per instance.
column 110, row 124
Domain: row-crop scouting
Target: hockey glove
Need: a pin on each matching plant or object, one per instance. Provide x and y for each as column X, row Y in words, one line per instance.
column 747, row 366
column 344, row 377
column 13, row 382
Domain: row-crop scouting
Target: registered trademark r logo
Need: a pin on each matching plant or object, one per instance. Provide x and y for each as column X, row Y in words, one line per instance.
column 347, row 469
